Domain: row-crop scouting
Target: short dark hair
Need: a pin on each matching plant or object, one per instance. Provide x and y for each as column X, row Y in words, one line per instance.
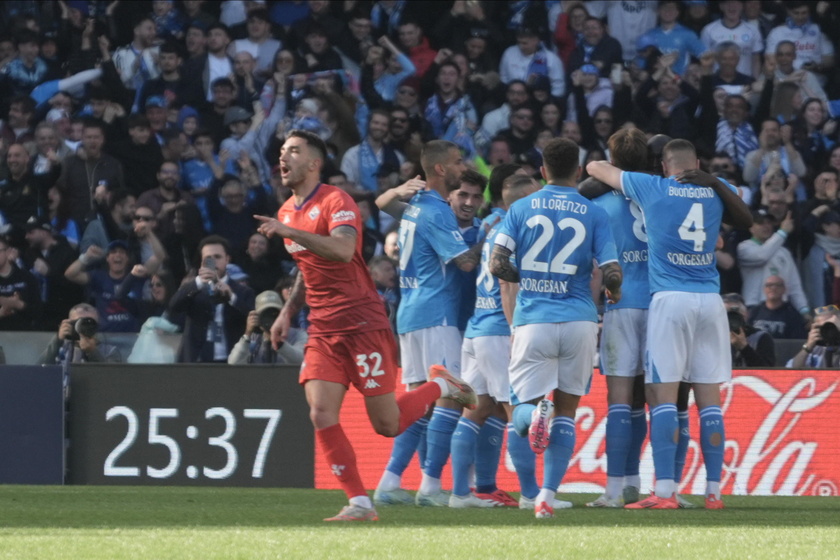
column 93, row 123
column 380, row 111
column 218, row 25
column 628, row 149
column 473, row 177
column 259, row 13
column 118, row 196
column 222, row 82
column 27, row 102
column 497, row 179
column 136, row 120
column 561, row 158
column 434, row 152
column 204, row 133
column 140, row 20
column 170, row 134
column 214, row 240
column 828, row 169
column 312, row 140
column 170, row 47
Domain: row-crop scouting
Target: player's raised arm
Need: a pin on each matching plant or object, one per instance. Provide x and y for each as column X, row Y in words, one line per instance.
column 736, row 212
column 605, row 172
column 392, row 201
column 338, row 246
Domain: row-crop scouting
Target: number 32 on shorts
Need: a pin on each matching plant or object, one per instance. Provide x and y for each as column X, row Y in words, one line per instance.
column 369, row 364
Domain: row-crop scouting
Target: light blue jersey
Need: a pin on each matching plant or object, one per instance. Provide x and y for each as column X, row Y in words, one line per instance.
column 680, row 40
column 428, row 239
column 555, row 234
column 466, row 280
column 488, row 318
column 628, row 228
column 683, row 224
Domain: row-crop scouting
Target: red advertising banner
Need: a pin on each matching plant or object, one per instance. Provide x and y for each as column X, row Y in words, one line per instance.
column 782, row 432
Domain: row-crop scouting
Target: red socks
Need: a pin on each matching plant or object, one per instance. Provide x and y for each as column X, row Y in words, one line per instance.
column 342, row 459
column 414, row 404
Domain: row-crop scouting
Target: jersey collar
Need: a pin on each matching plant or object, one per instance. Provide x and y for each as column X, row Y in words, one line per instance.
column 309, row 197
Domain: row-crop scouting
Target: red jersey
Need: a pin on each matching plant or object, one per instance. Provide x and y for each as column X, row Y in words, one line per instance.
column 341, row 296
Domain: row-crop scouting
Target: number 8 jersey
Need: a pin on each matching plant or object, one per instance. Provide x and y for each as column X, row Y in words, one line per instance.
column 555, row 234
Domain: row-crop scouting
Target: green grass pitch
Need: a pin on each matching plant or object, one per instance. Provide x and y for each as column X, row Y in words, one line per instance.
column 87, row 522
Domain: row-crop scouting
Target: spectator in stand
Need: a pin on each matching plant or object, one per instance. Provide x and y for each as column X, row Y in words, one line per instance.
column 201, row 170
column 139, row 153
column 216, row 308
column 260, row 264
column 181, row 245
column 814, row 134
column 20, row 297
column 212, row 115
column 89, row 170
column 775, row 145
column 596, row 48
column 233, row 217
column 161, row 289
column 47, row 258
column 317, row 51
column 776, row 315
column 259, row 43
column 822, row 348
column 671, row 107
column 22, row 194
column 356, row 38
column 50, row 151
column 361, row 162
column 764, row 255
column 417, row 46
column 384, row 69
column 27, row 70
column 568, row 32
column 627, row 21
column 449, row 112
column 137, row 62
column 386, row 279
column 169, row 23
column 248, row 85
column 596, row 91
column 823, row 224
column 529, row 58
column 254, row 347
column 671, row 37
column 735, row 134
column 201, row 72
column 170, row 85
column 815, row 52
column 401, row 137
column 516, row 93
column 834, row 158
column 116, row 291
column 751, row 347
column 77, row 340
column 320, row 13
column 728, row 58
column 58, row 213
column 786, row 70
column 731, row 27
column 786, row 102
column 18, row 124
column 521, row 132
column 165, row 198
column 196, row 39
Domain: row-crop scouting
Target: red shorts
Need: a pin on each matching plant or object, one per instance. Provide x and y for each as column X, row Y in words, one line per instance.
column 368, row 360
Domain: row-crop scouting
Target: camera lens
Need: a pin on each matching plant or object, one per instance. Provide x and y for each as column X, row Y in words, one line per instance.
column 736, row 321
column 830, row 335
column 86, row 327
column 267, row 317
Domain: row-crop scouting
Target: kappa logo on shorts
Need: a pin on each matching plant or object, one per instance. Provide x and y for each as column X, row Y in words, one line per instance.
column 337, row 469
column 314, row 213
column 371, row 384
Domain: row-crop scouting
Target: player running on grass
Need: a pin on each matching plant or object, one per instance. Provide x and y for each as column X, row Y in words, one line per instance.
column 350, row 340
column 556, row 233
column 683, row 213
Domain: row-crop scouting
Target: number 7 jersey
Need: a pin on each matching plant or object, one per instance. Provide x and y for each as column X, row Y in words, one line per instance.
column 556, row 233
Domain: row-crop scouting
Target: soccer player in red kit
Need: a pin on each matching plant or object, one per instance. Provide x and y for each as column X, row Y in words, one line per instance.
column 350, row 339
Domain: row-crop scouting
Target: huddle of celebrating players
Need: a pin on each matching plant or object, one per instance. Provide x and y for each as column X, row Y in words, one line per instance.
column 530, row 339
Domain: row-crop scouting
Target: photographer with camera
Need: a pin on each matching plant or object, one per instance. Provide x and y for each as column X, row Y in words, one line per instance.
column 822, row 348
column 77, row 340
column 216, row 308
column 254, row 347
column 751, row 347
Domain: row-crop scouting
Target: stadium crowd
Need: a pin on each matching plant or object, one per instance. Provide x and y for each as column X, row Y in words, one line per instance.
column 139, row 139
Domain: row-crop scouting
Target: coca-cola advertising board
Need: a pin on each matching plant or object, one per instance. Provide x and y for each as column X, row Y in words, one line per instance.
column 782, row 439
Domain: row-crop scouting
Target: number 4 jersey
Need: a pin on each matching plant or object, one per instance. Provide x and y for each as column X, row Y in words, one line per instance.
column 556, row 233
column 683, row 222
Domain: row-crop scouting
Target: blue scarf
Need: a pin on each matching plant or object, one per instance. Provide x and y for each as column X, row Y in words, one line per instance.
column 539, row 64
column 451, row 124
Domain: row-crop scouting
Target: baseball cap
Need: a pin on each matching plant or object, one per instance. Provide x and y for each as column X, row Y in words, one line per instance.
column 526, row 31
column 155, row 101
column 589, row 69
column 117, row 244
column 267, row 300
column 831, row 218
column 39, row 222
column 236, row 114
